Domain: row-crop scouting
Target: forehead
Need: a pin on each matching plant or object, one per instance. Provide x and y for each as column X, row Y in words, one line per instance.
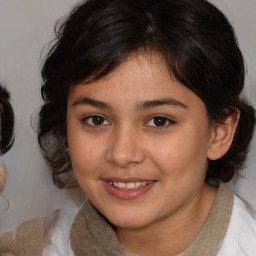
column 144, row 64
column 139, row 78
column 136, row 68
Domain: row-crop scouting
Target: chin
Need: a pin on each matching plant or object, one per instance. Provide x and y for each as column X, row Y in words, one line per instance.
column 129, row 224
column 128, row 219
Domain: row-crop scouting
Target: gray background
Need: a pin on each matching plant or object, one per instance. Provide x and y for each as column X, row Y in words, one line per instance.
column 25, row 27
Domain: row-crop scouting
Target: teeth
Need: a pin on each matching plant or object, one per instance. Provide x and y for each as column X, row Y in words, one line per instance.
column 119, row 184
column 129, row 185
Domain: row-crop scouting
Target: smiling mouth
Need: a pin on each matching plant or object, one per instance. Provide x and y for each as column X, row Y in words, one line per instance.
column 129, row 185
column 128, row 188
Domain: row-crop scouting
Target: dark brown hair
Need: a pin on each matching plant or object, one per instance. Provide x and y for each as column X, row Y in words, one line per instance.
column 196, row 41
column 6, row 121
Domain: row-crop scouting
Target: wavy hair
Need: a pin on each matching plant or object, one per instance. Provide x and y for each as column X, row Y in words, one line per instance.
column 194, row 38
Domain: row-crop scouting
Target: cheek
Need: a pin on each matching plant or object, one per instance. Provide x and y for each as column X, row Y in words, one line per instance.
column 84, row 150
column 183, row 152
column 84, row 158
column 85, row 165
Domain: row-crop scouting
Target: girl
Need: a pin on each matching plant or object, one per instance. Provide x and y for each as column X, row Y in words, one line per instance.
column 142, row 102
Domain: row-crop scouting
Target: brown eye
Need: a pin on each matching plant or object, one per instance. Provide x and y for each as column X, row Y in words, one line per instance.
column 160, row 121
column 95, row 120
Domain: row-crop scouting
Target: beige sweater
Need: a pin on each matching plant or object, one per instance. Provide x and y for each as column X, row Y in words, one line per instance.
column 91, row 234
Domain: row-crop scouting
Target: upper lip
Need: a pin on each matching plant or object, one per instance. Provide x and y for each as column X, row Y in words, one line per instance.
column 127, row 179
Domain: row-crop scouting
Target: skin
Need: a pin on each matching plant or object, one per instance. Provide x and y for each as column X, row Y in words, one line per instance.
column 2, row 176
column 127, row 141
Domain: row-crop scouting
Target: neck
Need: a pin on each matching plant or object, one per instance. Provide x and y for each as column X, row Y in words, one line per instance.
column 173, row 234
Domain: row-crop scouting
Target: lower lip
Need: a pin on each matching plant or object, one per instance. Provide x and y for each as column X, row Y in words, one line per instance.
column 126, row 194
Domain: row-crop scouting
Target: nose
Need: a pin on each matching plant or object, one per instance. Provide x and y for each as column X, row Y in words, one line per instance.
column 125, row 148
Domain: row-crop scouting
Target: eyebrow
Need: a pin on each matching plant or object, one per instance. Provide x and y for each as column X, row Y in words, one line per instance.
column 140, row 106
column 160, row 102
column 91, row 102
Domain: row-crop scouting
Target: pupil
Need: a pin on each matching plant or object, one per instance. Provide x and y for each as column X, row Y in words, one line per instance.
column 97, row 120
column 160, row 121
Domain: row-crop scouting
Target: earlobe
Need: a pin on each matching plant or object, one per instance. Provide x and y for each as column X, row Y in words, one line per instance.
column 222, row 137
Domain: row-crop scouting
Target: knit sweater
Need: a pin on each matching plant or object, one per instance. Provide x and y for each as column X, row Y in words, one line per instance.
column 228, row 230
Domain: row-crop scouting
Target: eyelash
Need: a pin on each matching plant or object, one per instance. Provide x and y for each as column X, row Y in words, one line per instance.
column 102, row 121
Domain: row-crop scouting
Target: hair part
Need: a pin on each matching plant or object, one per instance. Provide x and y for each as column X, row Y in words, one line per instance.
column 196, row 41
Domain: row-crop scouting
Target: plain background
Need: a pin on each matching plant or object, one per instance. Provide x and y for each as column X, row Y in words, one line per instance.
column 26, row 26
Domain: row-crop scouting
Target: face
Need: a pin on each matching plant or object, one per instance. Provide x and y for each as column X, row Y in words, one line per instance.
column 138, row 142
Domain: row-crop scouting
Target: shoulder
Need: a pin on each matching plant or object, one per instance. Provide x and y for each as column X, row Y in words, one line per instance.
column 241, row 234
column 60, row 234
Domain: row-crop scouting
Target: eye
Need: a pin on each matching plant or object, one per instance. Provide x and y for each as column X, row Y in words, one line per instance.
column 95, row 120
column 159, row 121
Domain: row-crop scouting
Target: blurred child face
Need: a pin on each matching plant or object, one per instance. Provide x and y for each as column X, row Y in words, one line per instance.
column 138, row 142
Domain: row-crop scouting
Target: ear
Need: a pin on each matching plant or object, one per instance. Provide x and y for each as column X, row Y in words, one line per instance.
column 222, row 136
